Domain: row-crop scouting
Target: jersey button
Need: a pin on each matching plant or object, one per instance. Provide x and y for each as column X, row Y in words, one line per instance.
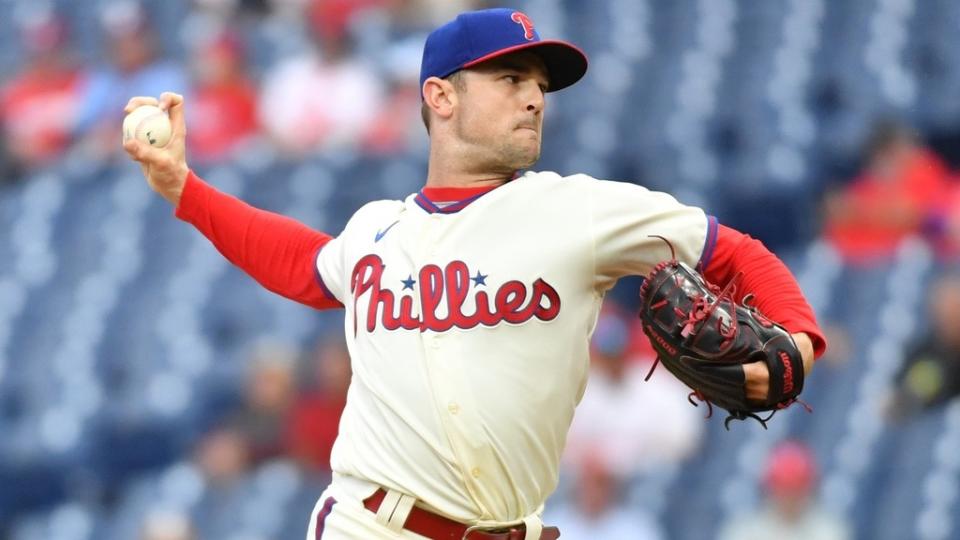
column 475, row 472
column 435, row 342
column 453, row 408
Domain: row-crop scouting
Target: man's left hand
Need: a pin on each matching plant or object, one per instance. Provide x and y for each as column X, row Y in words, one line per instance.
column 758, row 375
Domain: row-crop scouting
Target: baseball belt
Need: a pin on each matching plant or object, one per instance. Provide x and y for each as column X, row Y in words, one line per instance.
column 437, row 527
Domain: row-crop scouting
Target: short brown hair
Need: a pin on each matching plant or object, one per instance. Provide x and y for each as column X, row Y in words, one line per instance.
column 458, row 82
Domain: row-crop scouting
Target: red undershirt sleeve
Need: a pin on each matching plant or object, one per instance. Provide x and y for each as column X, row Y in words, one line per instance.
column 777, row 294
column 278, row 252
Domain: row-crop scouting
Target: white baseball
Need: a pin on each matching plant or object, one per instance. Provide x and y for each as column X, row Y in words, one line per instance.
column 148, row 124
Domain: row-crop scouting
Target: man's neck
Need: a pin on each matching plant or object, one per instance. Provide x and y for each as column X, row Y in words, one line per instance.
column 462, row 179
column 445, row 171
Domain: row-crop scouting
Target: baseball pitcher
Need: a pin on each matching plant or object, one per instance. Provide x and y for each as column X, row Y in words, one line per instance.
column 469, row 305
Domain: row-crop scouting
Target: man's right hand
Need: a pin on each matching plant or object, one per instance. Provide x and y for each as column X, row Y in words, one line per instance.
column 165, row 168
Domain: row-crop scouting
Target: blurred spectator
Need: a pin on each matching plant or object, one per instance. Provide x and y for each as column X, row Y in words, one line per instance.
column 634, row 425
column 223, row 109
column 431, row 13
column 326, row 98
column 931, row 374
column 269, row 392
column 230, row 8
column 315, row 417
column 38, row 104
column 223, row 458
column 331, row 19
column 397, row 125
column 136, row 69
column 951, row 239
column 598, row 509
column 901, row 193
column 394, row 38
column 167, row 526
column 790, row 513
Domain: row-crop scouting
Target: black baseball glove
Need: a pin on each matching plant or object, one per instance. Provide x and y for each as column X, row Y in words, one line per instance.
column 704, row 337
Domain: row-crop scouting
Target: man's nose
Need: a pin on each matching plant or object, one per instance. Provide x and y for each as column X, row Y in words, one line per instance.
column 536, row 98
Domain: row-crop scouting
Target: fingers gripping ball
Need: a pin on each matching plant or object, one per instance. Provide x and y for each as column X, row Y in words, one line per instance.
column 148, row 124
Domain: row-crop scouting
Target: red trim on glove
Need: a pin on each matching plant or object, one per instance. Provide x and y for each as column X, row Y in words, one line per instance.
column 777, row 293
column 279, row 252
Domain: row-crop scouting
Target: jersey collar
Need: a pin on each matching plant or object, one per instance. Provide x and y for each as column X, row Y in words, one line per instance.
column 449, row 200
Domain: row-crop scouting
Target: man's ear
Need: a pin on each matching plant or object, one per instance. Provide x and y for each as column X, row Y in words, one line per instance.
column 440, row 96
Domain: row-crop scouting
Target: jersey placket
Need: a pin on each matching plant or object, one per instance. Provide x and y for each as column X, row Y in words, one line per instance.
column 452, row 394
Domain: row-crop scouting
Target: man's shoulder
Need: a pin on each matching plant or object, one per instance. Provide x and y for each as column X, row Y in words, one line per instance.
column 584, row 187
column 577, row 181
column 376, row 210
column 372, row 216
column 553, row 184
column 552, row 176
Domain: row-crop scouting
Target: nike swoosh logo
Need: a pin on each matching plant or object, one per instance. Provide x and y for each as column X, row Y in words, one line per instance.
column 382, row 233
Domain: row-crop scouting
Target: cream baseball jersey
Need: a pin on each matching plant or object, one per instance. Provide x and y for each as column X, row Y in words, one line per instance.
column 468, row 327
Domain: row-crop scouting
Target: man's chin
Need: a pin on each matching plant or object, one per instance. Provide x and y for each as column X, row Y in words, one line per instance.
column 519, row 156
column 525, row 163
column 528, row 158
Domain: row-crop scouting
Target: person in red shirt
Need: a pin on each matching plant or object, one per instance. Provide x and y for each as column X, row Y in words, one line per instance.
column 790, row 508
column 900, row 194
column 949, row 241
column 224, row 113
column 268, row 394
column 314, row 418
column 37, row 119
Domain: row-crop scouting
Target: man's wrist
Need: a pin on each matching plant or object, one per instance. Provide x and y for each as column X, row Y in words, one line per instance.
column 805, row 346
column 175, row 194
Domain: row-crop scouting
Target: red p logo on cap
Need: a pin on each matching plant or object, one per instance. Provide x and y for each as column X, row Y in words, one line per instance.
column 525, row 22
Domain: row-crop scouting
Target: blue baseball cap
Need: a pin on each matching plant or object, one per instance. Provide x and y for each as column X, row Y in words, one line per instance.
column 477, row 36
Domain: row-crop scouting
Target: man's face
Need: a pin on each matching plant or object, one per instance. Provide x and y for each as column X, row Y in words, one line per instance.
column 499, row 115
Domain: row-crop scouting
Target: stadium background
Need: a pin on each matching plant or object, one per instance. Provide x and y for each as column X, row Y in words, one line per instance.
column 128, row 346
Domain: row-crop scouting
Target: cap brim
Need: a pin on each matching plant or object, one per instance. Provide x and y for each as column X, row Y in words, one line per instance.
column 565, row 62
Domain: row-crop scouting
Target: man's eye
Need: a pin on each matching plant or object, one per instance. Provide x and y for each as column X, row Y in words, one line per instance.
column 513, row 79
